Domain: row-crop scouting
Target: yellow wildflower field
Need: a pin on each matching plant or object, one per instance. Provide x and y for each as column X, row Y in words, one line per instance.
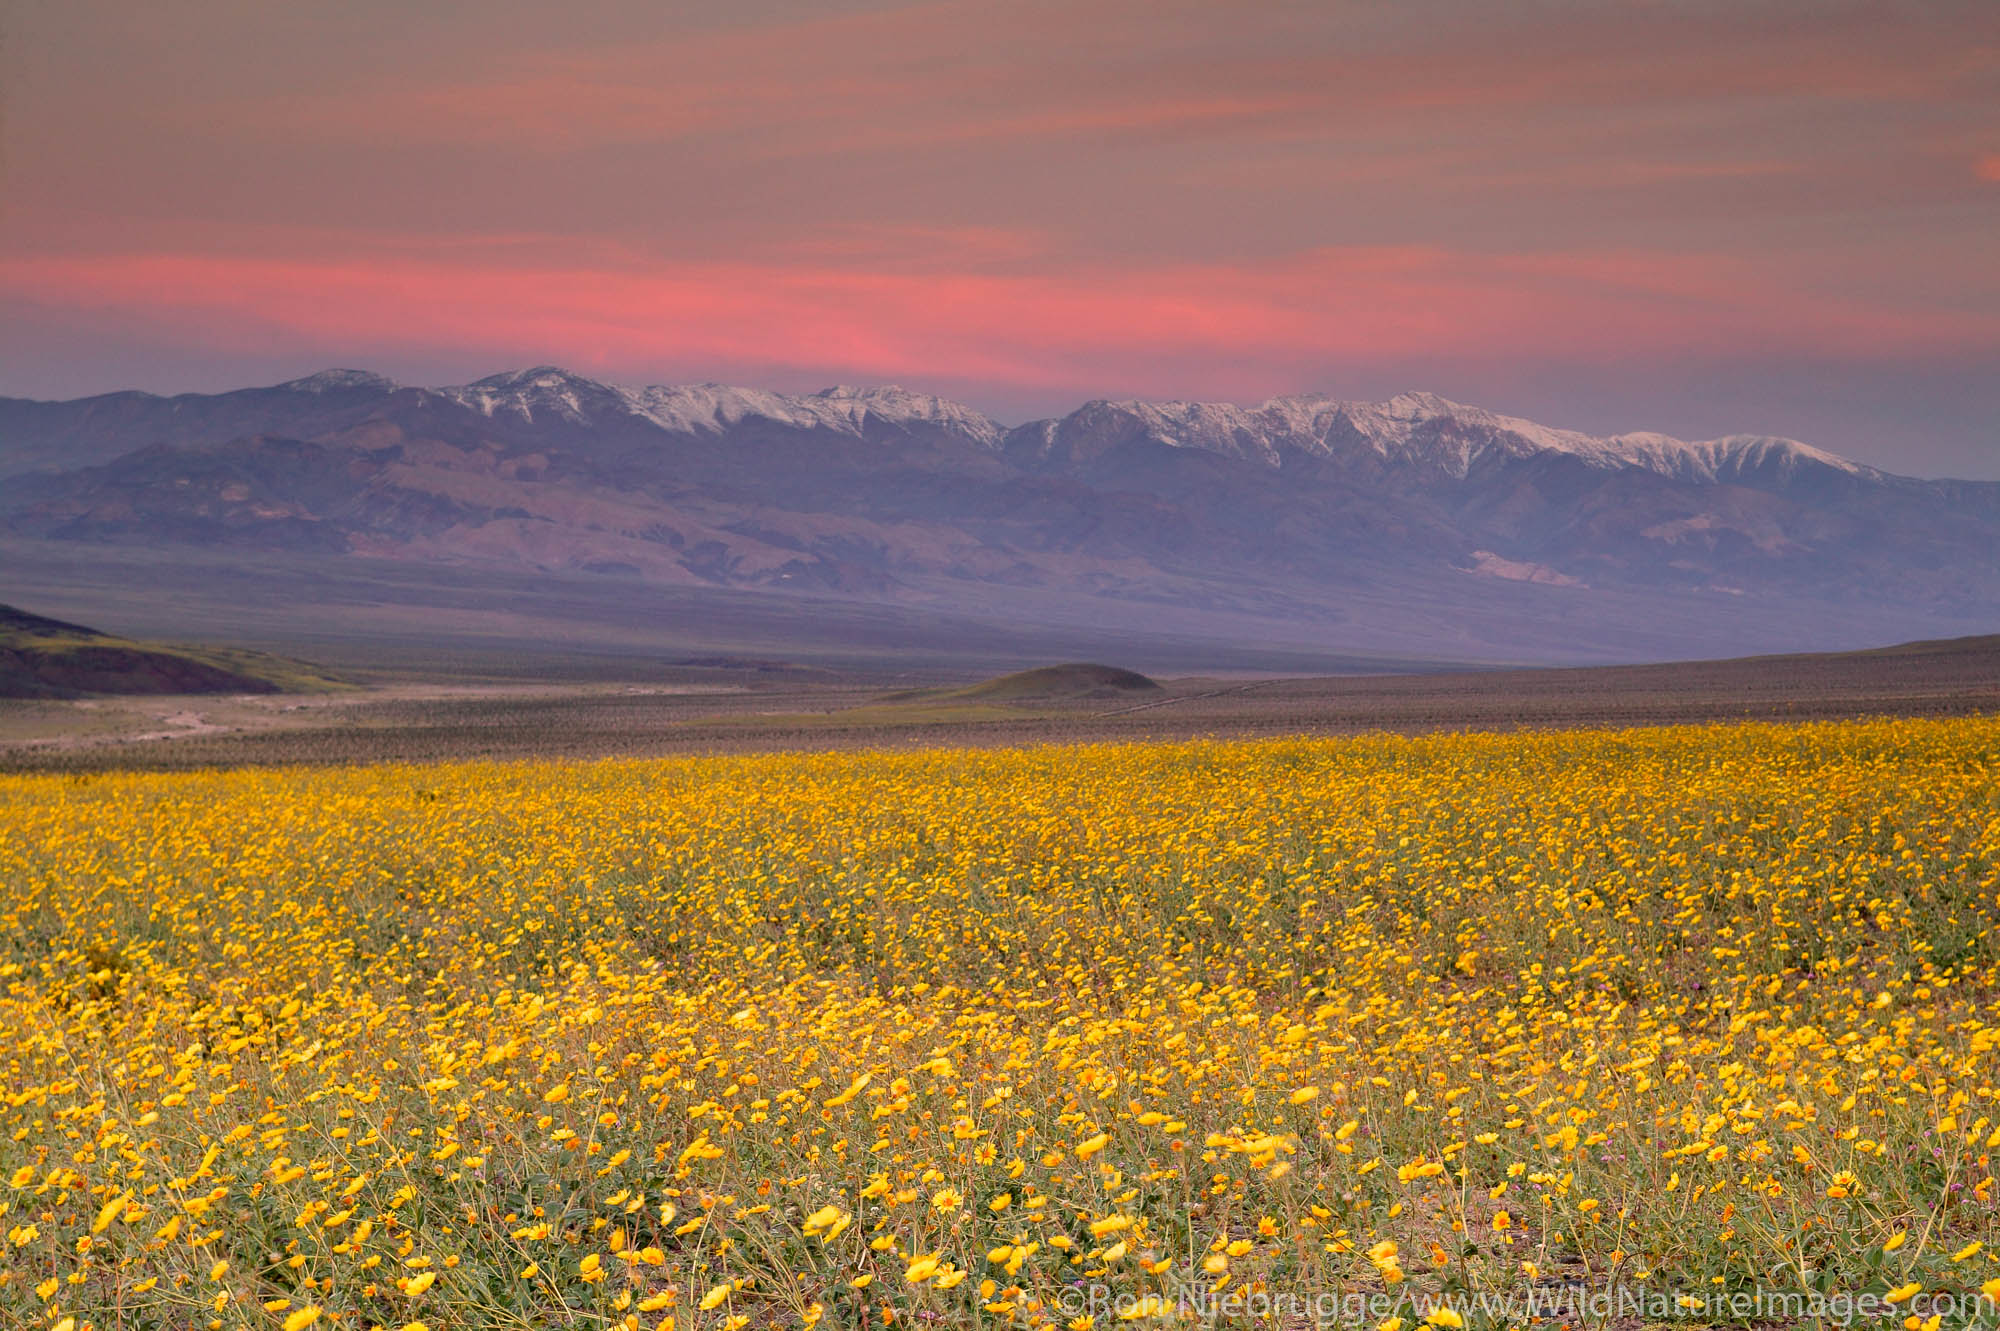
column 950, row 1037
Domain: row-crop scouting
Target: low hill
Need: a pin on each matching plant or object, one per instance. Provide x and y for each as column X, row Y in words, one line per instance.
column 50, row 658
column 17, row 621
column 1071, row 681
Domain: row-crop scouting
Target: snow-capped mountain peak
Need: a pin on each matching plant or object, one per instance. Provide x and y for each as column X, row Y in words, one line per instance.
column 1427, row 425
column 336, row 381
column 901, row 406
column 1418, row 429
column 540, row 393
column 709, row 408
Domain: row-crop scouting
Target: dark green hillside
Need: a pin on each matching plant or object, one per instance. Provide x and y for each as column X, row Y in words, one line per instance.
column 49, row 658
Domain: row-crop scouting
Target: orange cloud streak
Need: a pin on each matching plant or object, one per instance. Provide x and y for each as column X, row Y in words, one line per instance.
column 986, row 69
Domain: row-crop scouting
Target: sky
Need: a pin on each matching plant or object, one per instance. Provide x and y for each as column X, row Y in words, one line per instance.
column 1700, row 218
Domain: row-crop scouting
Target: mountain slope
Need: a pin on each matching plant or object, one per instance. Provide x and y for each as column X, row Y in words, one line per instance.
column 1415, row 524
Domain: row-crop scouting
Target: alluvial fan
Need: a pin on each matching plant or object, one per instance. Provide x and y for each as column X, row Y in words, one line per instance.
column 988, row 1038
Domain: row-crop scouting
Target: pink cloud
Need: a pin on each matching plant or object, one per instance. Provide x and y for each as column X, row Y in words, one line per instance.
column 1180, row 328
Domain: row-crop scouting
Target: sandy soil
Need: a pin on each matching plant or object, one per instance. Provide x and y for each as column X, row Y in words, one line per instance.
column 431, row 722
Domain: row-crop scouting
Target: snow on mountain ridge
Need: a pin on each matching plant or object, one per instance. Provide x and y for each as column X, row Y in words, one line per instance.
column 1425, row 428
column 1395, row 425
column 892, row 402
column 332, row 381
column 1745, row 450
column 1403, row 416
column 712, row 408
column 1412, row 427
column 545, row 389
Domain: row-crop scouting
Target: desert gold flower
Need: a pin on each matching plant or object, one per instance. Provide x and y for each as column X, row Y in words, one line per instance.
column 1630, row 985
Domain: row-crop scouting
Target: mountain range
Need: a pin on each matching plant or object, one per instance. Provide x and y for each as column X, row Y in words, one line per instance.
column 1414, row 526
